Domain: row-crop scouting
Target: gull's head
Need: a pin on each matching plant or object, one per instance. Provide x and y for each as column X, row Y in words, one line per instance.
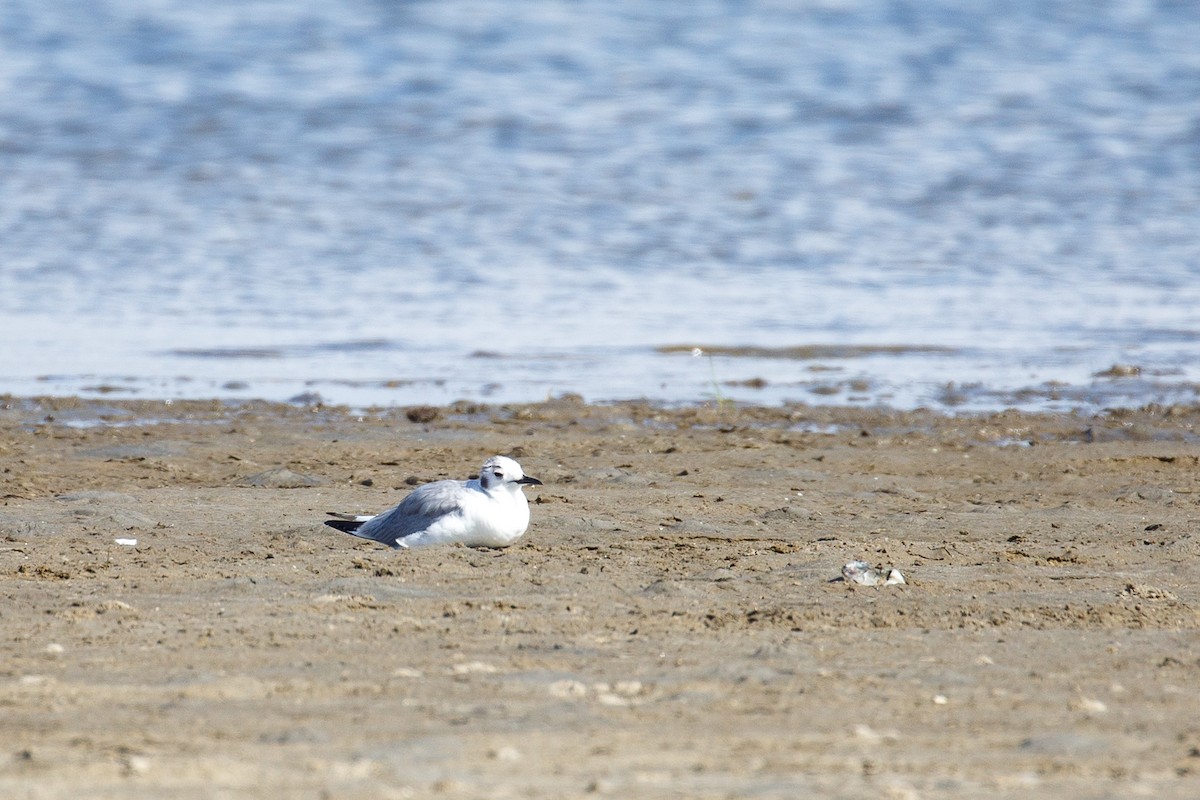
column 500, row 471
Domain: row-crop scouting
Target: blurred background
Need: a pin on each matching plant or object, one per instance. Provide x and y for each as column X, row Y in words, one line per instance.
column 957, row 205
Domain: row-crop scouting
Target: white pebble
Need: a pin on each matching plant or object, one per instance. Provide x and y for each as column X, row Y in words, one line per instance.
column 867, row 733
column 137, row 765
column 1090, row 705
column 474, row 667
column 505, row 753
column 406, row 672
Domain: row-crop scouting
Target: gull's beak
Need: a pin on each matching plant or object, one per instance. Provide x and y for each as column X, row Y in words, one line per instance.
column 528, row 481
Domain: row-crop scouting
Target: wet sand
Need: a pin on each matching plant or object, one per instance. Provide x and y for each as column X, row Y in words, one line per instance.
column 672, row 625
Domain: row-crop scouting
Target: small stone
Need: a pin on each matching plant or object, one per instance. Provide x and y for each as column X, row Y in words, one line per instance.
column 422, row 414
column 1089, row 705
column 1120, row 371
column 505, row 753
column 568, row 689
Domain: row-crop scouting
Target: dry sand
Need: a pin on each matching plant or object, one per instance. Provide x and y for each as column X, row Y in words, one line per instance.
column 671, row 626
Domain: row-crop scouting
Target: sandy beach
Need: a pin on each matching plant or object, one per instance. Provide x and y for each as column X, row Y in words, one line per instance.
column 177, row 622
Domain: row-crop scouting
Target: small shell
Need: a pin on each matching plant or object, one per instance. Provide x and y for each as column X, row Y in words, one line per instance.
column 863, row 573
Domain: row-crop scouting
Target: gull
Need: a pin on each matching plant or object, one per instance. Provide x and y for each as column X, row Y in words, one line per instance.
column 488, row 511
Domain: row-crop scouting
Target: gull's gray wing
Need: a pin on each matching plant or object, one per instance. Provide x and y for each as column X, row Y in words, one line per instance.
column 423, row 507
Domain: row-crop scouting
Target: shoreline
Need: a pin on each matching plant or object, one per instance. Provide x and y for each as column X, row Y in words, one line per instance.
column 950, row 380
column 673, row 622
column 80, row 410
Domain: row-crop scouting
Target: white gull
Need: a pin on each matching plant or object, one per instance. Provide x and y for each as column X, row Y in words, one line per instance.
column 488, row 511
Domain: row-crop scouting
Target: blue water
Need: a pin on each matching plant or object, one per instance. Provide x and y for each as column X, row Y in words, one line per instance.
column 974, row 205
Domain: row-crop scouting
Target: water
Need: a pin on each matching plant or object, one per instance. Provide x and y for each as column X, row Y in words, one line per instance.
column 966, row 206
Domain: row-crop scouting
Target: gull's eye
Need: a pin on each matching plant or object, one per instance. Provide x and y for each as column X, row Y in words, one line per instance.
column 498, row 474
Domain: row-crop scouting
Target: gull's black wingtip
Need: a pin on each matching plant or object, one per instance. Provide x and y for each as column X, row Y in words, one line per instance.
column 344, row 525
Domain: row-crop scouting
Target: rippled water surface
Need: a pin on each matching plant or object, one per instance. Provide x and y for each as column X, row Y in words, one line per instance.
column 966, row 205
